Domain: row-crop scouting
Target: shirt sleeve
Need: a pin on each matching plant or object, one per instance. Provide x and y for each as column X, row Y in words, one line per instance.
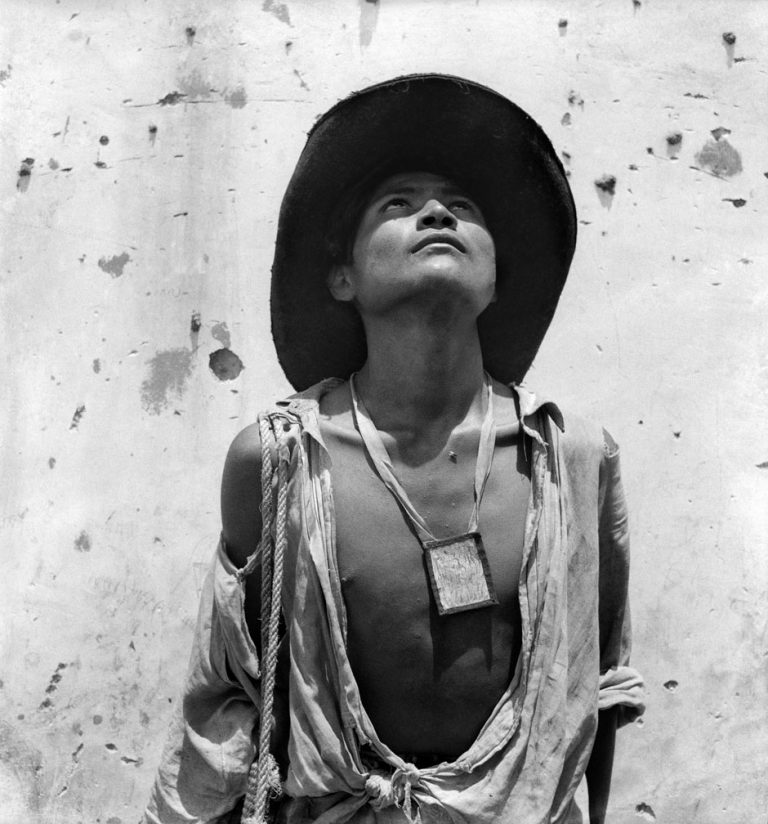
column 204, row 767
column 620, row 684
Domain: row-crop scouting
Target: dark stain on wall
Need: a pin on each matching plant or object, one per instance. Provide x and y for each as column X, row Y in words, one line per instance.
column 152, row 129
column 719, row 157
column 96, row 365
column 738, row 202
column 83, row 542
column 168, row 374
column 237, row 98
column 77, row 417
column 645, row 811
column 225, row 364
column 53, row 164
column 729, row 41
column 25, row 172
column 280, row 10
column 671, row 685
column 606, row 189
column 5, row 74
column 369, row 15
column 171, row 99
column 220, row 332
column 51, row 463
column 562, row 26
column 55, row 679
column 104, row 140
column 114, row 265
column 674, row 144
column 190, row 31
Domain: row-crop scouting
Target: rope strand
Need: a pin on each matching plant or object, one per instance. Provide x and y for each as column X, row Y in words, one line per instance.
column 264, row 775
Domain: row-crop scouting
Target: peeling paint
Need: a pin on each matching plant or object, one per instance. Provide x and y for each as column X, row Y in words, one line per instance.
column 25, row 172
column 720, row 158
column 280, row 10
column 237, row 98
column 220, row 332
column 575, row 99
column 369, row 15
column 57, row 676
column 645, row 811
column 168, row 374
column 606, row 189
column 729, row 41
column 225, row 364
column 77, row 417
column 114, row 265
column 171, row 99
column 83, row 542
column 674, row 144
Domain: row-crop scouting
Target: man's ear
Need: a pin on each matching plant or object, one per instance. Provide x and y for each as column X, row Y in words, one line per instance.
column 340, row 282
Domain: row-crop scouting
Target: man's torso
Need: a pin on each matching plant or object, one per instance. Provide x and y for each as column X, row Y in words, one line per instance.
column 428, row 682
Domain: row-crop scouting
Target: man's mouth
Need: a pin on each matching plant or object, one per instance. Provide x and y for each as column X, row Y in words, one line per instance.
column 451, row 240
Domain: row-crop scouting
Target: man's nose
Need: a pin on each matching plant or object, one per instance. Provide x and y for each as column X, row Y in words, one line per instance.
column 434, row 215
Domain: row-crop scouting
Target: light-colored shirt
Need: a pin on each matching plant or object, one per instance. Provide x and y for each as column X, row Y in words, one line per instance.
column 530, row 755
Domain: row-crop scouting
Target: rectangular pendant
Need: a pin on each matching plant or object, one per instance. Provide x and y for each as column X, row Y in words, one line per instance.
column 459, row 574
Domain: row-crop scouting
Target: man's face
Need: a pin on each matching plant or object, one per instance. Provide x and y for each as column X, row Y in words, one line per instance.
column 419, row 237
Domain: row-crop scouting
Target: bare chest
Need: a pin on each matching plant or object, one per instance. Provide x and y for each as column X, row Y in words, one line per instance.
column 414, row 667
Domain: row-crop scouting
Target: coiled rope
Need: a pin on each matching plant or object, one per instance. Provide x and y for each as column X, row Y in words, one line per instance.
column 264, row 775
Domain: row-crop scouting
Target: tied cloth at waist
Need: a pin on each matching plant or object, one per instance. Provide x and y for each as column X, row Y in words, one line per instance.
column 388, row 788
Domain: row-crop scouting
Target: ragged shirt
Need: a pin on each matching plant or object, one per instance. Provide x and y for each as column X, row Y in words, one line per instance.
column 530, row 755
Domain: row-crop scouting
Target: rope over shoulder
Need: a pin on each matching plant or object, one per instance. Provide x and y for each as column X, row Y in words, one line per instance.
column 264, row 777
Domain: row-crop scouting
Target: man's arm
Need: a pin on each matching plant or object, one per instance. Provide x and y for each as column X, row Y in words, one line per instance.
column 204, row 768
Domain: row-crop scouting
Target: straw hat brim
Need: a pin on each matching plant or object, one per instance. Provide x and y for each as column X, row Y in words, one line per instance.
column 441, row 124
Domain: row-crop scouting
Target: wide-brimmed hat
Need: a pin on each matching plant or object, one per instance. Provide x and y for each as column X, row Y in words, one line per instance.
column 445, row 125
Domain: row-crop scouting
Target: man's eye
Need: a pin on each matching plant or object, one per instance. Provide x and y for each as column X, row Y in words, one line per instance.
column 461, row 205
column 396, row 203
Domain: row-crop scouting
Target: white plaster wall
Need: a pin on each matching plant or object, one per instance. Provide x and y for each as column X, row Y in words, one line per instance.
column 160, row 157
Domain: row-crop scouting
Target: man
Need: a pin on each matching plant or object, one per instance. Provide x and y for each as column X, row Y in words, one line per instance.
column 454, row 553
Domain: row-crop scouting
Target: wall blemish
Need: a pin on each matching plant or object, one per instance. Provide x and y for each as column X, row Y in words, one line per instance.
column 83, row 542
column 77, row 417
column 169, row 371
column 25, row 172
column 645, row 811
column 114, row 265
column 220, row 332
column 225, row 364
column 280, row 10
column 719, row 158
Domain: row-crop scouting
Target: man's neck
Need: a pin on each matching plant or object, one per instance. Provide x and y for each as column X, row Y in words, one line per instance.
column 420, row 378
